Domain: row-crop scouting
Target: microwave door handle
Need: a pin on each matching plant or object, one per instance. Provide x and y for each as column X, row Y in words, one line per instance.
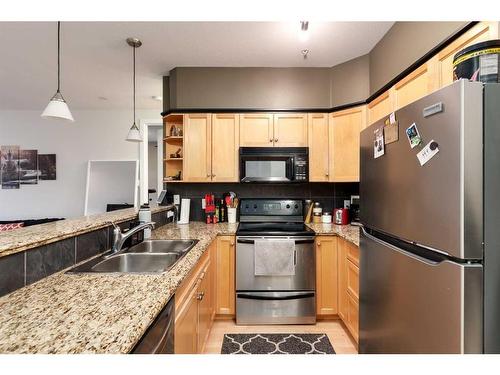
column 292, row 165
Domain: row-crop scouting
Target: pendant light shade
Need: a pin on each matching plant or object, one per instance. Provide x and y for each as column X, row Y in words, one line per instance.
column 57, row 107
column 134, row 135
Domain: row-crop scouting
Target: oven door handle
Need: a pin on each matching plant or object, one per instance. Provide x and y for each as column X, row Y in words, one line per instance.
column 271, row 298
column 298, row 241
column 239, row 240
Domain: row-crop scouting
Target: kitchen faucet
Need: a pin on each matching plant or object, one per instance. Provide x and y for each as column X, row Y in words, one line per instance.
column 119, row 237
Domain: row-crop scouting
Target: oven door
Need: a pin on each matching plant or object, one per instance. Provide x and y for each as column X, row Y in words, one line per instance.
column 304, row 278
column 264, row 167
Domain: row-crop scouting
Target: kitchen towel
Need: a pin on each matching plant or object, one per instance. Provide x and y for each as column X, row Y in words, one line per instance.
column 274, row 257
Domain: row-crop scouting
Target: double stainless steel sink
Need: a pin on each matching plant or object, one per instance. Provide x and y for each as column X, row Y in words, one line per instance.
column 150, row 256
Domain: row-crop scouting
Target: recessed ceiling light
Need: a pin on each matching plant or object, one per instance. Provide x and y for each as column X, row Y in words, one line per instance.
column 157, row 97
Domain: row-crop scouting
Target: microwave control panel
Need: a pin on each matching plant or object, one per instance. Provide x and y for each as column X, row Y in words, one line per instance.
column 301, row 170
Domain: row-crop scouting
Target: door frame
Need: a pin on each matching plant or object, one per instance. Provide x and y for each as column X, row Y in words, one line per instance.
column 144, row 125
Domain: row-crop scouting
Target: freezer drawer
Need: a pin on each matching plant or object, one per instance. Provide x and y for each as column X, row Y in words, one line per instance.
column 276, row 307
column 409, row 304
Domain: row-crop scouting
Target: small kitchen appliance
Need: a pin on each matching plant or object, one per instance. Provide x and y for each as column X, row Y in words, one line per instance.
column 274, row 164
column 341, row 216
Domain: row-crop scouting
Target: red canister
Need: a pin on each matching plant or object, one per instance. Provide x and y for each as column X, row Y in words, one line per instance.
column 341, row 216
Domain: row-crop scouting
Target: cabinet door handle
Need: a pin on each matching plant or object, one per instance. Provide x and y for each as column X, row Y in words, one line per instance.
column 200, row 296
column 319, row 243
column 231, row 243
column 213, row 175
column 326, row 174
column 275, row 139
column 271, row 140
column 208, row 175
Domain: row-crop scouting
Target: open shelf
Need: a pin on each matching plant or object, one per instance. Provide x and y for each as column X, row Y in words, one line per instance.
column 173, row 124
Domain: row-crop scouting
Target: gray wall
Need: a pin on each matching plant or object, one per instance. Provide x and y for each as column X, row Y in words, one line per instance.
column 404, row 43
column 287, row 88
column 350, row 81
column 296, row 88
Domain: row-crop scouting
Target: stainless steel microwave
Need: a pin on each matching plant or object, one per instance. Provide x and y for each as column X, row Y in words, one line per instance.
column 274, row 164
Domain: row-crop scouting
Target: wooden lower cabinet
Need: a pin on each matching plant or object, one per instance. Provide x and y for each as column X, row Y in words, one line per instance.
column 342, row 274
column 186, row 325
column 352, row 321
column 348, row 273
column 326, row 276
column 225, row 272
column 195, row 307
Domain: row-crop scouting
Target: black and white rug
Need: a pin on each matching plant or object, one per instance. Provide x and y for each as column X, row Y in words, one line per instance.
column 283, row 343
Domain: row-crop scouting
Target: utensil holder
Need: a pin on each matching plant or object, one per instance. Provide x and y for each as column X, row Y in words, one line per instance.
column 231, row 215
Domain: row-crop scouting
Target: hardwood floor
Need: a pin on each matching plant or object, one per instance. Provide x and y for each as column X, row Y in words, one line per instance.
column 337, row 333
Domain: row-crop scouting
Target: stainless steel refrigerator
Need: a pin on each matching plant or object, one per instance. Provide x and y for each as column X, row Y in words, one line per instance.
column 430, row 242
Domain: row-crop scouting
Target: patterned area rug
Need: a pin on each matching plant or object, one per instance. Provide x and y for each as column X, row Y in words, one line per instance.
column 287, row 343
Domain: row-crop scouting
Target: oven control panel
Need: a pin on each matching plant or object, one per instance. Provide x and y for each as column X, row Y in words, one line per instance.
column 271, row 207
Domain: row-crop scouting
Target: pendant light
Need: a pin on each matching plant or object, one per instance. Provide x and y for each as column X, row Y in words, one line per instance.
column 57, row 107
column 134, row 135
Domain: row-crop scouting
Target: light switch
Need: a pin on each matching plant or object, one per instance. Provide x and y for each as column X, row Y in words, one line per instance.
column 177, row 199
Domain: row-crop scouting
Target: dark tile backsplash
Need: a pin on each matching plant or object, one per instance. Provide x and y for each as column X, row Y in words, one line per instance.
column 48, row 259
column 330, row 195
column 11, row 273
column 29, row 266
column 90, row 244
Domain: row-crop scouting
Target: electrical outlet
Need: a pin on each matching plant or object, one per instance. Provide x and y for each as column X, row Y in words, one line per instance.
column 177, row 199
column 347, row 203
column 170, row 214
column 203, row 203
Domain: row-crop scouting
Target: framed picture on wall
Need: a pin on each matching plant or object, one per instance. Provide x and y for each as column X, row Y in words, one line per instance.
column 9, row 167
column 28, row 167
column 47, row 166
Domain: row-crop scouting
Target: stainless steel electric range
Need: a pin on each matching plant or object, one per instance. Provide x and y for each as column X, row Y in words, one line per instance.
column 275, row 264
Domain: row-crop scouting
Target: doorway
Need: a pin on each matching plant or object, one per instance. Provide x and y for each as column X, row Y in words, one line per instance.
column 151, row 161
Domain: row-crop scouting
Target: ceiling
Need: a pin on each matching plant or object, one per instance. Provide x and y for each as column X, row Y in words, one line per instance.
column 97, row 63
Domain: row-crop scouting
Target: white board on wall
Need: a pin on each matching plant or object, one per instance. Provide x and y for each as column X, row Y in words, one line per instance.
column 110, row 182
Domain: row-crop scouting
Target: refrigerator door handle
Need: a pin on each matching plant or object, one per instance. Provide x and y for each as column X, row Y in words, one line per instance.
column 395, row 248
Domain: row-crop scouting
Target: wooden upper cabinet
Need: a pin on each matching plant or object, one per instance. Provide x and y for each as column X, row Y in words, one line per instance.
column 256, row 130
column 290, row 130
column 414, row 86
column 225, row 289
column 326, row 275
column 318, row 147
column 380, row 107
column 225, row 146
column 479, row 33
column 345, row 127
column 197, row 148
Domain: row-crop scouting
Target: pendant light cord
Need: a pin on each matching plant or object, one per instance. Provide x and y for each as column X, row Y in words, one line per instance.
column 58, row 56
column 134, row 48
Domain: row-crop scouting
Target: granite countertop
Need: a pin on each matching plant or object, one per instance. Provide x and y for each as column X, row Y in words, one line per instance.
column 96, row 313
column 348, row 232
column 21, row 239
column 106, row 313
